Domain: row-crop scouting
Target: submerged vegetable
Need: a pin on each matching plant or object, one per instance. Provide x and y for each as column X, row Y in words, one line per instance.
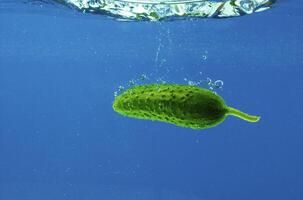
column 182, row 105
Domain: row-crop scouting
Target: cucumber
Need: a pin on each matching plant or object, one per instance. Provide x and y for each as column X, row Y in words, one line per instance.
column 183, row 105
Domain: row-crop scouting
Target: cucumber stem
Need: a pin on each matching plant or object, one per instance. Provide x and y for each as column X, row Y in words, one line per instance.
column 242, row 115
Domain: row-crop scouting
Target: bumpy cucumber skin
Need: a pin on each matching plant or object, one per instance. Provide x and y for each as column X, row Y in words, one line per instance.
column 182, row 105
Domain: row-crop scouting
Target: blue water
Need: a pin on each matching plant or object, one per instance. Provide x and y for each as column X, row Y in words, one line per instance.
column 61, row 139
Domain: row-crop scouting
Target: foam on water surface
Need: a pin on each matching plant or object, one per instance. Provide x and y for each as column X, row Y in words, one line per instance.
column 161, row 9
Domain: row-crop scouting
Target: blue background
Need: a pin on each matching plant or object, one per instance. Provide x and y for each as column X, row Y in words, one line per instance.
column 60, row 138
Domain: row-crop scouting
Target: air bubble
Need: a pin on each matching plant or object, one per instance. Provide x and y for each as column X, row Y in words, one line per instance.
column 143, row 77
column 212, row 85
column 205, row 55
column 218, row 84
column 191, row 83
column 120, row 88
column 160, row 80
column 131, row 82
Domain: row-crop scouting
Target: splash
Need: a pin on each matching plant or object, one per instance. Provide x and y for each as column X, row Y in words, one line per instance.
column 161, row 9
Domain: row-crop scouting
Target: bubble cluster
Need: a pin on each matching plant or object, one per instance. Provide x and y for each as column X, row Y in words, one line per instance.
column 213, row 85
column 208, row 83
column 131, row 83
